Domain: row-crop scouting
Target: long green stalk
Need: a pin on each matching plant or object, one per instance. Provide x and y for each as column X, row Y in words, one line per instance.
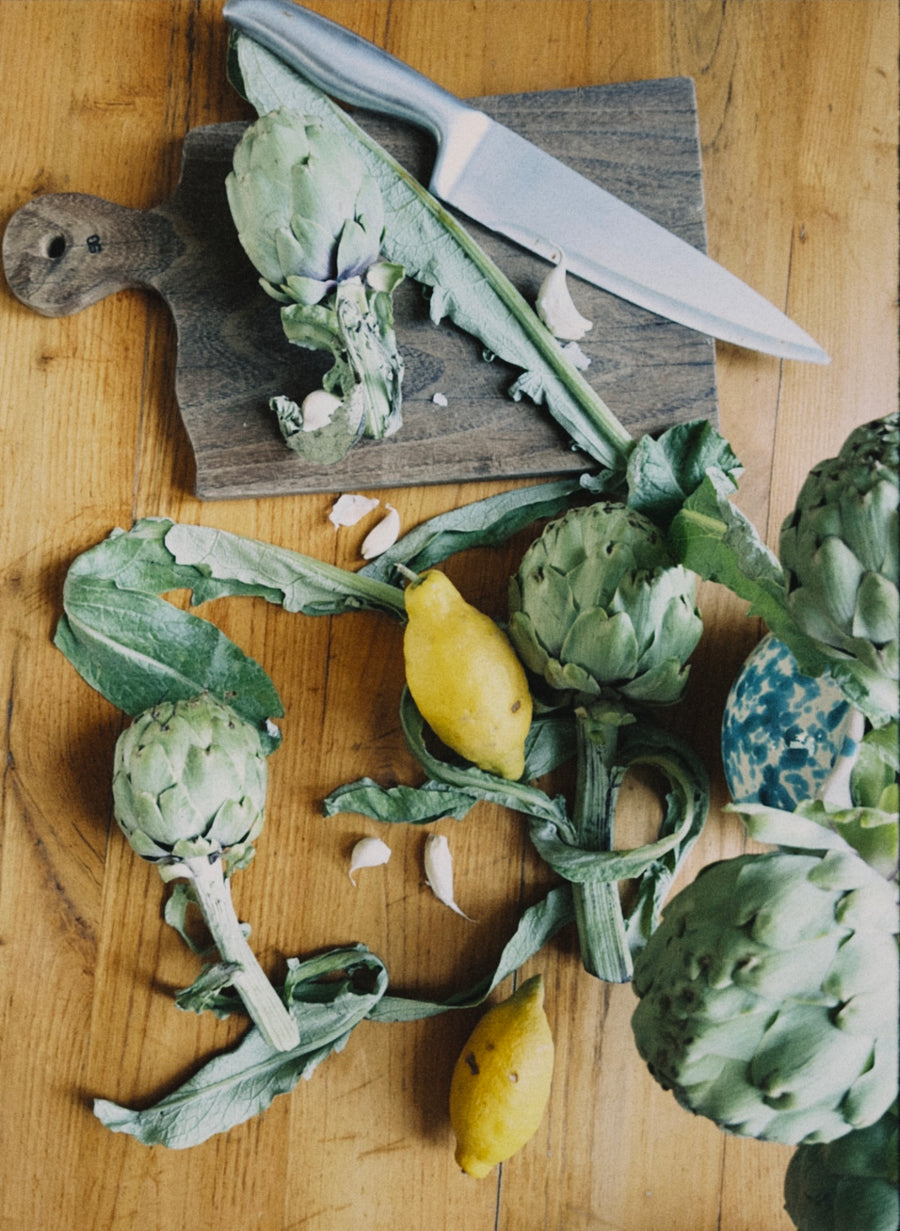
column 598, row 911
column 262, row 1002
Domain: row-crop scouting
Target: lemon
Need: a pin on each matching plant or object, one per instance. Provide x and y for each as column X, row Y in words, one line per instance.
column 501, row 1081
column 465, row 677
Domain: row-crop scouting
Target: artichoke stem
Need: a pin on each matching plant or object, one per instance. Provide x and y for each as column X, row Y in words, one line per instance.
column 365, row 324
column 262, row 1002
column 598, row 911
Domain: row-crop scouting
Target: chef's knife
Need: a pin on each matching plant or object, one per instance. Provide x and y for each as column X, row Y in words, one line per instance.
column 491, row 174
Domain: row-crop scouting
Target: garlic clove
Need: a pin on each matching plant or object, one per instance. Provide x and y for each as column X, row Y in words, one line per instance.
column 555, row 307
column 368, row 853
column 350, row 508
column 317, row 409
column 439, row 871
column 382, row 536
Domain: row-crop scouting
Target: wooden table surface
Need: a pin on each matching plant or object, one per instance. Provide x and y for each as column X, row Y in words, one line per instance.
column 797, row 105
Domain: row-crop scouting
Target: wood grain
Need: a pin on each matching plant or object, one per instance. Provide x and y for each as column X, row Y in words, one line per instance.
column 63, row 252
column 797, row 108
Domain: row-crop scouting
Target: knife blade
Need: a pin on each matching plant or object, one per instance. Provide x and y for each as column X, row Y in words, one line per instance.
column 491, row 174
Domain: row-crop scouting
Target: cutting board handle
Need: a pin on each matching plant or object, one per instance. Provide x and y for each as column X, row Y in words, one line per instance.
column 65, row 251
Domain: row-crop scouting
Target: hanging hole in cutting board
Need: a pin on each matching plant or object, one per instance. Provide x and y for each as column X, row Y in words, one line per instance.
column 55, row 247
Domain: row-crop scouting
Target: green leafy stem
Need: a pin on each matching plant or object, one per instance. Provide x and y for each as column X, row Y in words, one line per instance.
column 453, row 787
column 328, row 995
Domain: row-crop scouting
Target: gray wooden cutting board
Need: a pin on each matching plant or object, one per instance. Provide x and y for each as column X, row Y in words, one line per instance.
column 64, row 252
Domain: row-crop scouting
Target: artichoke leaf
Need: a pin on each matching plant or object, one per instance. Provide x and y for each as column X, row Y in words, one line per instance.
column 328, row 996
column 597, row 638
column 710, row 536
column 136, row 648
column 299, row 583
column 876, row 614
column 803, row 1060
column 407, row 805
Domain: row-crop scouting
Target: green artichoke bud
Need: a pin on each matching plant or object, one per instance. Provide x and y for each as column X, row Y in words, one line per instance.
column 839, row 551
column 769, row 996
column 849, row 1184
column 189, row 789
column 597, row 608
column 307, row 213
column 189, row 779
column 311, row 219
column 600, row 613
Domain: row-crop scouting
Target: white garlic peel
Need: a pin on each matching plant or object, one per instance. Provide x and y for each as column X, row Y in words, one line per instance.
column 555, row 307
column 368, row 853
column 317, row 409
column 576, row 356
column 351, row 508
column 439, row 871
column 382, row 536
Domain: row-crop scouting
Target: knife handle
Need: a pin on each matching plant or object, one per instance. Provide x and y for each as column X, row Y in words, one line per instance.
column 354, row 70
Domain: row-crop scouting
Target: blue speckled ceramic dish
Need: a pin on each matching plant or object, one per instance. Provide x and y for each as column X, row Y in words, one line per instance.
column 781, row 731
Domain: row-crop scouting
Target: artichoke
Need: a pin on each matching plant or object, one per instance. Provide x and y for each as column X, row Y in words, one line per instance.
column 599, row 612
column 849, row 1184
column 597, row 608
column 839, row 549
column 189, row 779
column 189, row 789
column 311, row 219
column 307, row 213
column 768, row 996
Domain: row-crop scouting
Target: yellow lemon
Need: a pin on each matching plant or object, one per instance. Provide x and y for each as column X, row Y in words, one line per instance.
column 501, row 1081
column 464, row 676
